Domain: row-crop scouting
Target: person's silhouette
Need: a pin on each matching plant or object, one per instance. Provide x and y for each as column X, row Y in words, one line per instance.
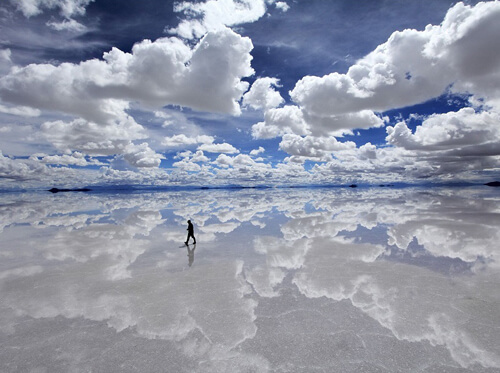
column 190, row 230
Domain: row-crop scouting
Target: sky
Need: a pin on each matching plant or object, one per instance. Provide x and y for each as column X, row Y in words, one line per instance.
column 248, row 92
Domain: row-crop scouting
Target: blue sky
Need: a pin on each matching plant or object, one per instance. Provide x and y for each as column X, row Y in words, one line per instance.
column 250, row 92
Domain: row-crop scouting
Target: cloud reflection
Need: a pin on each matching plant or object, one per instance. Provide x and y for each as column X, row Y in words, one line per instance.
column 115, row 259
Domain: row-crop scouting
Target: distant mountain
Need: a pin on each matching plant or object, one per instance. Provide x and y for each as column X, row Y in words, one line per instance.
column 57, row 190
column 493, row 184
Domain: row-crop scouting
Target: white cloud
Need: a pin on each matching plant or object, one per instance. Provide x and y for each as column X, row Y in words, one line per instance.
column 257, row 151
column 219, row 148
column 98, row 92
column 187, row 165
column 214, row 15
column 123, row 174
column 224, row 160
column 5, row 61
column 288, row 119
column 142, row 156
column 369, row 164
column 190, row 161
column 244, row 170
column 96, row 99
column 455, row 144
column 183, row 140
column 376, row 82
column 167, row 71
column 338, row 125
column 67, row 25
column 94, row 139
column 282, row 5
column 20, row 170
column 465, row 129
column 199, row 156
column 452, row 143
column 22, row 111
column 243, row 160
column 262, row 94
column 310, row 147
column 76, row 158
column 410, row 68
column 467, row 43
column 66, row 88
column 90, row 137
column 67, row 8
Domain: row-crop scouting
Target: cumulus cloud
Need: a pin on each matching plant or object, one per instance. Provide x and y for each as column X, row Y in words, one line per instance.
column 467, row 42
column 142, row 156
column 338, row 125
column 187, row 165
column 451, row 143
column 282, row 5
column 183, row 140
column 190, row 161
column 262, row 94
column 19, row 170
column 198, row 156
column 451, row 131
column 243, row 169
column 292, row 119
column 280, row 121
column 92, row 138
column 206, row 77
column 214, row 15
column 257, row 151
column 98, row 92
column 310, row 147
column 224, row 161
column 243, row 160
column 98, row 97
column 410, row 68
column 219, row 148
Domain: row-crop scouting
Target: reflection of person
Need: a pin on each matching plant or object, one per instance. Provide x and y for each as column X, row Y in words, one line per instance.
column 190, row 230
column 191, row 254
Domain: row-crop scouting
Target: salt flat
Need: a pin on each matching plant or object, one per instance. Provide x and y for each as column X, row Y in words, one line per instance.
column 281, row 280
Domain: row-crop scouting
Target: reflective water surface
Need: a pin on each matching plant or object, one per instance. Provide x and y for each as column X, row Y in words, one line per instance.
column 291, row 280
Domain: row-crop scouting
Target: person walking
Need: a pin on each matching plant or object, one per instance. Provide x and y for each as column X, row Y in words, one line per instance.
column 190, row 230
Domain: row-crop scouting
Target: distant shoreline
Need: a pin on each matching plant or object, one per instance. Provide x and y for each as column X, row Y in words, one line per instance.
column 154, row 188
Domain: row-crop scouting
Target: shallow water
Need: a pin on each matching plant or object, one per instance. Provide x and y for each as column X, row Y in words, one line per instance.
column 289, row 280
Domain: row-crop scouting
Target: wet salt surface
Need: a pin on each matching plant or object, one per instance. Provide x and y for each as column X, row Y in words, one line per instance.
column 292, row 280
